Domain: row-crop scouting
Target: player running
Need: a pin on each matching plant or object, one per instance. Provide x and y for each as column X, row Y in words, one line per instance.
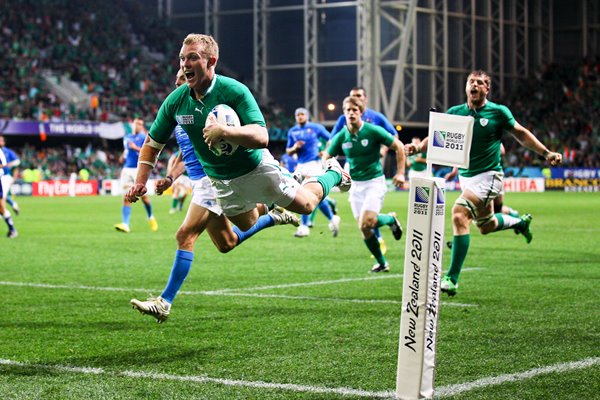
column 482, row 182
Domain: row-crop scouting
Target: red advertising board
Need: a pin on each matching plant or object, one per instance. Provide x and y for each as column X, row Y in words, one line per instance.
column 65, row 188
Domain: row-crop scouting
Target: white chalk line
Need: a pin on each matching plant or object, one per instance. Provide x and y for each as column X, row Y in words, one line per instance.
column 444, row 391
column 226, row 293
column 314, row 283
column 452, row 390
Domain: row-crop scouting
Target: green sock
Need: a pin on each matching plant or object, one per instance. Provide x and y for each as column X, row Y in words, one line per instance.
column 175, row 201
column 328, row 180
column 373, row 246
column 508, row 222
column 513, row 213
column 460, row 247
column 384, row 219
column 313, row 215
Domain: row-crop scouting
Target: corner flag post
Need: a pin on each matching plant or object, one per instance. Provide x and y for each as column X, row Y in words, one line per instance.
column 449, row 144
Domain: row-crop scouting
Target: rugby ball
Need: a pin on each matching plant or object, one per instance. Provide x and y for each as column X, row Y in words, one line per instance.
column 227, row 116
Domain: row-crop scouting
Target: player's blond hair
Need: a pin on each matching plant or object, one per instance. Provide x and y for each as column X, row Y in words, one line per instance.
column 210, row 48
column 355, row 102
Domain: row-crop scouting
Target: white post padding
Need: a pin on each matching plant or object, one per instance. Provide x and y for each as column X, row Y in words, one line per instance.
column 421, row 289
column 449, row 139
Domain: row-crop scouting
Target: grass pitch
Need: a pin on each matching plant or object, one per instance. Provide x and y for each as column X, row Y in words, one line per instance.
column 288, row 318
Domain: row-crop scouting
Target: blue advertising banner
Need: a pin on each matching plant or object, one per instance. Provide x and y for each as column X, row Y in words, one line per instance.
column 578, row 173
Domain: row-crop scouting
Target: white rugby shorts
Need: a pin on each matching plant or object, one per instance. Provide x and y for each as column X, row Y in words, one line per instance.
column 268, row 183
column 205, row 195
column 486, row 186
column 367, row 195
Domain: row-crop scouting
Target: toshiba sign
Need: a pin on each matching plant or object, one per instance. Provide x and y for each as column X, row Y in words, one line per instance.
column 65, row 188
column 524, row 185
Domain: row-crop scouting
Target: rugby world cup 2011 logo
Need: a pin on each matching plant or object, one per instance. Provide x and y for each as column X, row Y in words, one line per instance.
column 422, row 195
column 441, row 196
column 439, row 138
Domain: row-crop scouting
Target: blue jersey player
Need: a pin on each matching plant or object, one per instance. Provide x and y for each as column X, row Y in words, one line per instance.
column 304, row 140
column 12, row 232
column 12, row 160
column 132, row 144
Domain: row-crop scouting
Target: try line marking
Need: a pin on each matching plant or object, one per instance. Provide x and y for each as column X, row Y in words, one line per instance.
column 444, row 391
column 232, row 292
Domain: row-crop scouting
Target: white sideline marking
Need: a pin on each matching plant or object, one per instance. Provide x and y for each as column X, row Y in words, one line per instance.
column 223, row 293
column 204, row 379
column 304, row 284
column 519, row 376
column 444, row 391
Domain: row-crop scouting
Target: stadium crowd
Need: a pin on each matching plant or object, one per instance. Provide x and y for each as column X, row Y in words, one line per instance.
column 124, row 64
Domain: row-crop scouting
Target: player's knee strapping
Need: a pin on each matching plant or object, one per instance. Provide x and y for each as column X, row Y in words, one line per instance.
column 479, row 221
column 461, row 201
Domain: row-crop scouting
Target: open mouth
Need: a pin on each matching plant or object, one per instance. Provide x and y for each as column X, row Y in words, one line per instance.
column 189, row 75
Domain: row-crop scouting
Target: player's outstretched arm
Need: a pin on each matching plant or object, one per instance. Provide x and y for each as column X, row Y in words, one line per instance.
column 528, row 139
column 399, row 178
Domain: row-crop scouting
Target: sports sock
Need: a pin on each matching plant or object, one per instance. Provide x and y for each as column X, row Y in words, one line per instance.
column 326, row 209
column 377, row 232
column 460, row 247
column 263, row 222
column 9, row 221
column 10, row 201
column 311, row 218
column 373, row 246
column 384, row 219
column 507, row 222
column 181, row 202
column 174, row 203
column 304, row 219
column 148, row 208
column 332, row 204
column 512, row 213
column 328, row 180
column 179, row 271
column 126, row 214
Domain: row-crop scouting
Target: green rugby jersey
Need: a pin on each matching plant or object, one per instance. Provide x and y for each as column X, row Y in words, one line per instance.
column 181, row 108
column 418, row 165
column 361, row 150
column 491, row 121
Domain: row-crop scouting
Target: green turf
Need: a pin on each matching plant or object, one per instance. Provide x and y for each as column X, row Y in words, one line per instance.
column 535, row 306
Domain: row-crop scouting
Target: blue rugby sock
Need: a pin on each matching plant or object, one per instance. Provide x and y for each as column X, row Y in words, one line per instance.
column 126, row 214
column 179, row 271
column 326, row 209
column 265, row 221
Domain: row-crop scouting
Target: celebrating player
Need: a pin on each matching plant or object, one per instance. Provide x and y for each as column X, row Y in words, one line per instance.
column 482, row 181
column 245, row 178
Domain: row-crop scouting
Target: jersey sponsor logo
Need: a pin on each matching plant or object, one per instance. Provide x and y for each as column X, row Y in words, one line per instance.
column 483, row 121
column 364, row 142
column 347, row 145
column 184, row 119
column 199, row 109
